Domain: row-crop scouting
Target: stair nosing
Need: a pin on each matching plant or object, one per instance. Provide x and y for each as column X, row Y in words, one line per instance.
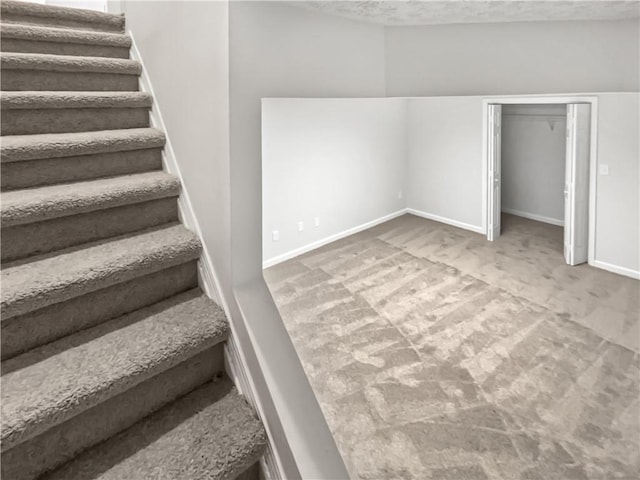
column 49, row 279
column 37, row 33
column 69, row 63
column 178, row 328
column 20, row 207
column 40, row 100
column 17, row 148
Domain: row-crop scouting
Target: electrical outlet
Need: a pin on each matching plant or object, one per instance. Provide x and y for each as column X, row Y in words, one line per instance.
column 400, row 195
column 603, row 169
column 275, row 235
column 300, row 226
column 316, row 222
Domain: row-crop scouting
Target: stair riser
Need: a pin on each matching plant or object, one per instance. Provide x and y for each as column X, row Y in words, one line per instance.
column 59, row 48
column 67, row 120
column 60, row 23
column 24, row 80
column 48, row 324
column 48, row 236
column 61, row 443
column 35, row 173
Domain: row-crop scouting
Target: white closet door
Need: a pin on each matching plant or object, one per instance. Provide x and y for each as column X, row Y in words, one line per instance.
column 576, row 188
column 494, row 123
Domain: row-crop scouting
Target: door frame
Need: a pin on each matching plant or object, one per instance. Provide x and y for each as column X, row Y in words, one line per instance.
column 593, row 151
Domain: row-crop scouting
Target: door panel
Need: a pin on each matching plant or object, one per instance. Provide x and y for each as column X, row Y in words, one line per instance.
column 576, row 189
column 494, row 154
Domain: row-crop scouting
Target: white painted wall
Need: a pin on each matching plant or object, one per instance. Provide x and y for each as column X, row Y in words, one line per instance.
column 513, row 58
column 533, row 161
column 340, row 160
column 445, row 170
column 444, row 149
column 617, row 242
column 98, row 5
column 185, row 49
column 279, row 50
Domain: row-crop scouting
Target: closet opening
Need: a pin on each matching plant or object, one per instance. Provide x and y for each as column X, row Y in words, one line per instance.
column 538, row 173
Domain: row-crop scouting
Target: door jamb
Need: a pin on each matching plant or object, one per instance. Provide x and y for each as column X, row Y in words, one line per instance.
column 593, row 152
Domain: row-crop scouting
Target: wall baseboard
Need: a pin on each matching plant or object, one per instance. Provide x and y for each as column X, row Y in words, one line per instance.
column 332, row 238
column 448, row 221
column 270, row 467
column 627, row 272
column 533, row 216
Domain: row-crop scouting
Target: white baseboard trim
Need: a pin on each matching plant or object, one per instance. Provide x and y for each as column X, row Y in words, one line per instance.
column 332, row 238
column 270, row 465
column 533, row 216
column 206, row 273
column 627, row 272
column 448, row 221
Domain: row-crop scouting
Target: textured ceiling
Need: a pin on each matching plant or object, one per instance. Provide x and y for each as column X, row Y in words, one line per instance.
column 431, row 12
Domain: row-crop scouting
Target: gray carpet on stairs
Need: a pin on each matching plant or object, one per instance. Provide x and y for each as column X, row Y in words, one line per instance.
column 39, row 100
column 112, row 356
column 63, row 35
column 30, row 13
column 35, row 205
column 68, row 63
column 76, row 271
column 63, row 442
column 178, row 432
column 31, row 147
column 96, row 364
column 24, row 332
column 75, row 168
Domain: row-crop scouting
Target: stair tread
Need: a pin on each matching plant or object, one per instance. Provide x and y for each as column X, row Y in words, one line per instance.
column 59, row 99
column 30, row 205
column 51, row 279
column 48, row 385
column 67, row 13
column 64, row 35
column 68, row 63
column 210, row 434
column 55, row 145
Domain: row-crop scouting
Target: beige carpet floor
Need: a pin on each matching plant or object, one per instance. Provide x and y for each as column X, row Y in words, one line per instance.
column 438, row 355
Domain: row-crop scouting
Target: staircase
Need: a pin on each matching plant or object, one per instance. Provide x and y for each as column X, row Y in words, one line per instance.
column 112, row 357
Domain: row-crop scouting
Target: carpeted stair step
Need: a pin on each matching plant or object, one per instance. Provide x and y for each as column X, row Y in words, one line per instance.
column 37, row 71
column 31, row 205
column 48, row 324
column 26, row 113
column 58, row 381
column 18, row 148
column 209, row 434
column 61, row 443
column 34, row 160
column 63, row 41
column 50, row 171
column 61, row 17
column 45, row 219
column 47, row 280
